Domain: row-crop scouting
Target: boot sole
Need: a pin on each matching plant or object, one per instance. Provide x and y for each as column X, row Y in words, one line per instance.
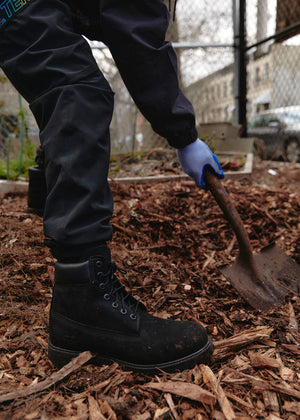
column 60, row 357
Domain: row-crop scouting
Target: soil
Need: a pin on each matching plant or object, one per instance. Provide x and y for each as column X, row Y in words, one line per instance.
column 171, row 238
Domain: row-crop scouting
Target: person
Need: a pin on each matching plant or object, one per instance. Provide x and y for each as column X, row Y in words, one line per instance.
column 46, row 57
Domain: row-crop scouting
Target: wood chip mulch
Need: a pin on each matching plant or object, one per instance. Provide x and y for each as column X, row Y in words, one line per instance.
column 171, row 238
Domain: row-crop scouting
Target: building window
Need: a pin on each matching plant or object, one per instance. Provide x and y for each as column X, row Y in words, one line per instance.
column 206, row 95
column 225, row 89
column 249, row 79
column 257, row 76
column 266, row 72
column 226, row 114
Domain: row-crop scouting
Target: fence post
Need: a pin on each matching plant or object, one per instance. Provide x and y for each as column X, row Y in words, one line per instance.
column 240, row 75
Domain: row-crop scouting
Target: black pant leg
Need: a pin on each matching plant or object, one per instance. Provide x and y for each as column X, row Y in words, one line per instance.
column 53, row 68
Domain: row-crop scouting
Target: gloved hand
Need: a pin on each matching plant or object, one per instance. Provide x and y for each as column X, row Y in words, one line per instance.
column 193, row 159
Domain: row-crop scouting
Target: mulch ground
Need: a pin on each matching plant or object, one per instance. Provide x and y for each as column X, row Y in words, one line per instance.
column 171, row 238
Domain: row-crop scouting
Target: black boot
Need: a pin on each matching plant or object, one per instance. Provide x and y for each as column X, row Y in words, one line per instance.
column 92, row 311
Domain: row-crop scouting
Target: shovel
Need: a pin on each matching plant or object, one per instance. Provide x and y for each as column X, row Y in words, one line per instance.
column 263, row 279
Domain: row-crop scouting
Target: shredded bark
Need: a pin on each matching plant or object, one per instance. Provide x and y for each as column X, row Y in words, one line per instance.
column 171, row 238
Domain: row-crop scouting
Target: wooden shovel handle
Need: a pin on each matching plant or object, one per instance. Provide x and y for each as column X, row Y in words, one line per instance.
column 231, row 214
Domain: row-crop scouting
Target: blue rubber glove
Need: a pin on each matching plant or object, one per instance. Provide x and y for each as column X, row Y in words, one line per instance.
column 193, row 159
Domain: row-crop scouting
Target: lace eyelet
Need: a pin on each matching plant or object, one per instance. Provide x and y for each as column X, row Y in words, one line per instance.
column 114, row 305
column 102, row 286
column 98, row 263
column 99, row 273
column 106, row 296
column 133, row 317
column 123, row 311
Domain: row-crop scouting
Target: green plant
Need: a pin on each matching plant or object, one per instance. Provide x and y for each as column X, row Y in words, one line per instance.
column 19, row 150
column 13, row 168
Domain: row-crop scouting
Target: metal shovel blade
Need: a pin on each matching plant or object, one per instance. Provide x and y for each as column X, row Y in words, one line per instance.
column 263, row 279
column 267, row 279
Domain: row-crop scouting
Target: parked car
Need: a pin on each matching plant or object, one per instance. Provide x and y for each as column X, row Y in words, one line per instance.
column 279, row 133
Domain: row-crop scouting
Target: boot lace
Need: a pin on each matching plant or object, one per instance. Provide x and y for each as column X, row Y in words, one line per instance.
column 109, row 283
